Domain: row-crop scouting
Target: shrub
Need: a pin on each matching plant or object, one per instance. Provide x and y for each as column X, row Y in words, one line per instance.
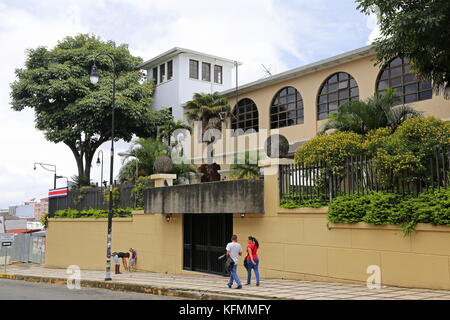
column 422, row 134
column 404, row 155
column 381, row 208
column 138, row 189
column 290, row 203
column 332, row 149
column 91, row 213
column 348, row 208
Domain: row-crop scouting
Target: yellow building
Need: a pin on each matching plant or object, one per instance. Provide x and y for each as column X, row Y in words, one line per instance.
column 185, row 228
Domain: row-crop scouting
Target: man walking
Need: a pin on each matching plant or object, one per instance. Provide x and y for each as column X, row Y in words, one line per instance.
column 234, row 250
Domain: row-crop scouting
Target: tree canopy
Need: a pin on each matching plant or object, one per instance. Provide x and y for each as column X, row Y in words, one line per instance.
column 419, row 30
column 70, row 109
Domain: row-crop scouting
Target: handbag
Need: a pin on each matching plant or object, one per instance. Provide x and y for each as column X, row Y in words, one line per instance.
column 229, row 265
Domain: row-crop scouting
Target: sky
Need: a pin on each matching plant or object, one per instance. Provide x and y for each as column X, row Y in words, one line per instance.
column 279, row 34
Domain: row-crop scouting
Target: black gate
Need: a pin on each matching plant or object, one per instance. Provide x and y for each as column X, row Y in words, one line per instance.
column 205, row 238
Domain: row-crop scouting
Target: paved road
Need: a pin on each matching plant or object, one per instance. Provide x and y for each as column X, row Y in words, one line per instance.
column 23, row 290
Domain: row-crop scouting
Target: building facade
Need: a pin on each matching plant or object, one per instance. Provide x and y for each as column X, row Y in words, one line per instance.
column 40, row 208
column 179, row 73
column 296, row 103
column 185, row 228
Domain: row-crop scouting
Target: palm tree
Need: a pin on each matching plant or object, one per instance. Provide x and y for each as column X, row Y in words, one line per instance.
column 144, row 152
column 247, row 170
column 210, row 108
column 376, row 112
column 165, row 131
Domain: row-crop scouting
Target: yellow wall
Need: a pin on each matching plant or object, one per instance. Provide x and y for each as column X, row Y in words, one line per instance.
column 82, row 242
column 295, row 244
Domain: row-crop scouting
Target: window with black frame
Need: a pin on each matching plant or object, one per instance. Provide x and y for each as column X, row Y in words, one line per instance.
column 245, row 116
column 169, row 70
column 206, row 71
column 155, row 74
column 287, row 108
column 337, row 89
column 218, row 74
column 193, row 69
column 398, row 75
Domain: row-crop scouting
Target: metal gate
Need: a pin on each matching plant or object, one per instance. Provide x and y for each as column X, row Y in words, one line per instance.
column 28, row 248
column 205, row 238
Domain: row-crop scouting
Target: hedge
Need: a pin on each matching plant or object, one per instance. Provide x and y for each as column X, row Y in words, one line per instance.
column 381, row 208
column 92, row 213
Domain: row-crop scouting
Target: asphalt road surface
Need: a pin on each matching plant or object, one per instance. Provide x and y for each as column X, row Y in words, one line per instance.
column 23, row 290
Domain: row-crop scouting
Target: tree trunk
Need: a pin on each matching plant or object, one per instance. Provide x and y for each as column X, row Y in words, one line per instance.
column 87, row 164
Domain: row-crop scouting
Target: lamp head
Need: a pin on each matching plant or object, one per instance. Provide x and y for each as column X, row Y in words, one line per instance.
column 98, row 161
column 94, row 76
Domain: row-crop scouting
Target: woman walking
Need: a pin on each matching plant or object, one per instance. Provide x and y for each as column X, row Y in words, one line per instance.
column 252, row 260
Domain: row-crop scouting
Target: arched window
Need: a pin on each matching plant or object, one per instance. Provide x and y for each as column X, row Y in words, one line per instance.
column 337, row 89
column 245, row 115
column 397, row 75
column 286, row 109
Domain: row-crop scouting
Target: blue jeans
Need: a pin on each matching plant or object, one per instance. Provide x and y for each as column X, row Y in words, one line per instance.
column 234, row 277
column 251, row 266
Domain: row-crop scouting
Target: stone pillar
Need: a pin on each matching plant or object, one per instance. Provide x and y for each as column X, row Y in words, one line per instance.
column 163, row 179
column 270, row 166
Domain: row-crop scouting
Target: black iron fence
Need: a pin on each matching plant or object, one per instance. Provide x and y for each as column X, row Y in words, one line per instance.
column 94, row 198
column 360, row 174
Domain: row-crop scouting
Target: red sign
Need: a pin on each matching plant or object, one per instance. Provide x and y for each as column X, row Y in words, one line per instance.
column 59, row 192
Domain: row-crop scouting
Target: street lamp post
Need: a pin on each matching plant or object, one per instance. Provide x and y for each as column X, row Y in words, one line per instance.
column 94, row 77
column 98, row 163
column 44, row 166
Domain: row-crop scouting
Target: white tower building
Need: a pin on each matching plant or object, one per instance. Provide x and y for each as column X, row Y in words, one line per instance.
column 179, row 73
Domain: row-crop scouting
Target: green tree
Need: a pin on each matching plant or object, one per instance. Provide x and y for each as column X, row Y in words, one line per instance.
column 417, row 29
column 69, row 109
column 376, row 112
column 165, row 131
column 144, row 152
column 249, row 169
column 210, row 108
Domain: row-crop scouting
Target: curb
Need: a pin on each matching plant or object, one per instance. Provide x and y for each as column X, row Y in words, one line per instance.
column 137, row 288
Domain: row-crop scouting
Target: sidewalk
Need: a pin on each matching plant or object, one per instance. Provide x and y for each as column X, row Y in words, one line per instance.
column 199, row 286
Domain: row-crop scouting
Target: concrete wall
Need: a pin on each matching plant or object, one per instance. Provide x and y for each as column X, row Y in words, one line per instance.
column 243, row 196
column 295, row 244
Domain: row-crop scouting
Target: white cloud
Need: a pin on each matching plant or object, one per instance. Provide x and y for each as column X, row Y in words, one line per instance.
column 372, row 24
column 278, row 34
